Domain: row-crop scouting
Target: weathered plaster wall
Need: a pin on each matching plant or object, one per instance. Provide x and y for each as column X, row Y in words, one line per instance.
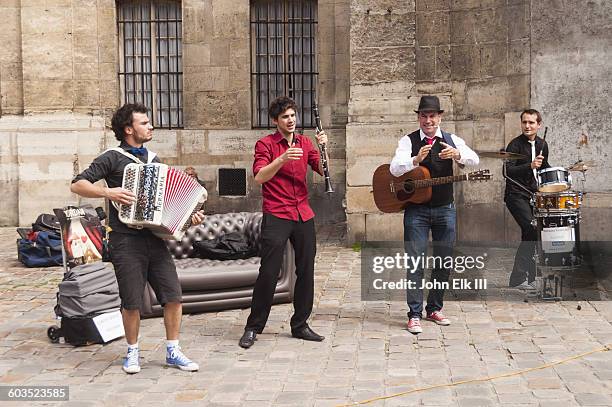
column 571, row 84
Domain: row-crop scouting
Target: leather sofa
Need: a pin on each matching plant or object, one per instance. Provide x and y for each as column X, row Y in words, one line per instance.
column 213, row 285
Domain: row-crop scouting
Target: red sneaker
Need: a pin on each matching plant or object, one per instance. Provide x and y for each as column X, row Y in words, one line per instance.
column 438, row 318
column 414, row 326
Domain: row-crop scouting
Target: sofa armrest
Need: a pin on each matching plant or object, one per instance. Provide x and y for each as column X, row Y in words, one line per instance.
column 253, row 230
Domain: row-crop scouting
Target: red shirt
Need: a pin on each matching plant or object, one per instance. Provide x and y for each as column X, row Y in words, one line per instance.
column 285, row 195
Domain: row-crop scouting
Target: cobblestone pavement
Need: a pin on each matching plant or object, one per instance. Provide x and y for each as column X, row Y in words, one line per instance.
column 367, row 352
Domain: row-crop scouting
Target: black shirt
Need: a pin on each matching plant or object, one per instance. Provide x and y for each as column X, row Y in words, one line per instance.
column 520, row 170
column 109, row 166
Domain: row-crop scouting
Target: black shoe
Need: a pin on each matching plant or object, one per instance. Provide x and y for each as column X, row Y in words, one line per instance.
column 307, row 334
column 248, row 339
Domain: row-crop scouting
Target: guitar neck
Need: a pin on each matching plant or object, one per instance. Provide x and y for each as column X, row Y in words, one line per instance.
column 424, row 183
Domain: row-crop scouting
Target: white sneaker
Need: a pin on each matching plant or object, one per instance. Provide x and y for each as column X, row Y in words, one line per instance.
column 176, row 358
column 131, row 364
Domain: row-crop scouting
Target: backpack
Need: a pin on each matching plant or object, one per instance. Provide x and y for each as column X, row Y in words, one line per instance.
column 46, row 222
column 43, row 251
column 230, row 246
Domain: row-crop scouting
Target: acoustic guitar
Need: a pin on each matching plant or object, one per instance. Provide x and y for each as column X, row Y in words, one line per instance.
column 393, row 194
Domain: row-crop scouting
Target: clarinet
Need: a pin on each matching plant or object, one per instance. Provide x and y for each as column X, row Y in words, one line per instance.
column 322, row 149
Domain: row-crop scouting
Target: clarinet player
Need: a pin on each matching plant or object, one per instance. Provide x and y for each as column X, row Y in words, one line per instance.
column 280, row 167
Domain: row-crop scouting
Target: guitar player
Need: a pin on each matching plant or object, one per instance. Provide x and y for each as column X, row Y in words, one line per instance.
column 436, row 150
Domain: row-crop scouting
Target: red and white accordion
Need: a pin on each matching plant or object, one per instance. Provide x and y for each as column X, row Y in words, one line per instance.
column 166, row 199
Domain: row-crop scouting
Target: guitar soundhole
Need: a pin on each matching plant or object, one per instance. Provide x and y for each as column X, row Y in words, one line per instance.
column 406, row 192
column 408, row 186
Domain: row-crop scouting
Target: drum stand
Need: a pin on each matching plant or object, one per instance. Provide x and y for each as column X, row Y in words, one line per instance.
column 550, row 281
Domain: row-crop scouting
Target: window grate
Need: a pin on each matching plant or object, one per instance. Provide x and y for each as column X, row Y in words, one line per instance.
column 283, row 60
column 151, row 71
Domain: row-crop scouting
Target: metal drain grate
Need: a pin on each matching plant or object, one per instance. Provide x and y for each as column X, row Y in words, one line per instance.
column 232, row 181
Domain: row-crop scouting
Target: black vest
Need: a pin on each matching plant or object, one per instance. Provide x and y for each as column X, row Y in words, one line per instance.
column 440, row 194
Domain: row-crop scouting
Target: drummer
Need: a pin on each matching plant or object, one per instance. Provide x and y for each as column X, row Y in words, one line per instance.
column 518, row 200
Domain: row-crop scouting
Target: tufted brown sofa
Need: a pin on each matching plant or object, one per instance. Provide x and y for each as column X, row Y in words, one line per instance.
column 212, row 285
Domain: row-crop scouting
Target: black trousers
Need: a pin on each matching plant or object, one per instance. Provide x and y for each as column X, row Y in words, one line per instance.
column 524, row 263
column 275, row 233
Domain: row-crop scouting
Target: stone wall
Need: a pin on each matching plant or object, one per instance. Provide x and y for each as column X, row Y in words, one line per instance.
column 59, row 64
column 471, row 54
column 11, row 74
column 571, row 75
column 218, row 103
column 69, row 56
column 487, row 60
column 38, row 169
column 58, row 84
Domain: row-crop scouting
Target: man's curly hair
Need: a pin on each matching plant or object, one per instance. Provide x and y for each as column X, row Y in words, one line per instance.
column 279, row 105
column 123, row 117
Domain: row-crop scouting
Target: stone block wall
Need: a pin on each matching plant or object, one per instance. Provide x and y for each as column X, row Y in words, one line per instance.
column 39, row 156
column 487, row 60
column 571, row 75
column 457, row 50
column 11, row 74
column 58, row 84
column 217, row 99
column 59, row 64
column 69, row 56
column 572, row 50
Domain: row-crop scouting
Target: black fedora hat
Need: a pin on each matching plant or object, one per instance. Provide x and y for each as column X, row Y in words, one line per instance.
column 429, row 104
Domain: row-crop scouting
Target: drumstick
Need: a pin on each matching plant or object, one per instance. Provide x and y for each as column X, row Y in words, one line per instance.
column 543, row 139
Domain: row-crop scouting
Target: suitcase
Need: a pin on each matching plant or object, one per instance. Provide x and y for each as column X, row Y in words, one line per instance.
column 82, row 331
column 88, row 296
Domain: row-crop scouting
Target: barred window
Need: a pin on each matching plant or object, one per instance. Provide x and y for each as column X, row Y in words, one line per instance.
column 151, row 68
column 283, row 61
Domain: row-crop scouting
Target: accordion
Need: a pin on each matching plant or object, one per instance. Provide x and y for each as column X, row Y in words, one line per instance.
column 166, row 199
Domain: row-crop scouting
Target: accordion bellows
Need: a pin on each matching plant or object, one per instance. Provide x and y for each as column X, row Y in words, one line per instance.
column 166, row 199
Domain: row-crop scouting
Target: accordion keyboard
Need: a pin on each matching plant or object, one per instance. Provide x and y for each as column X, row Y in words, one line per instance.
column 166, row 199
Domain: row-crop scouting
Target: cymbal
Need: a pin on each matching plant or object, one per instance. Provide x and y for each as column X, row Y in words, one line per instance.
column 581, row 166
column 501, row 154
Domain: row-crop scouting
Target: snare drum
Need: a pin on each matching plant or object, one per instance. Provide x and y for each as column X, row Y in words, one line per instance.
column 567, row 200
column 559, row 239
column 554, row 179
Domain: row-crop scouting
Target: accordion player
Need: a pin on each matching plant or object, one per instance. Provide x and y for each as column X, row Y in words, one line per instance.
column 166, row 198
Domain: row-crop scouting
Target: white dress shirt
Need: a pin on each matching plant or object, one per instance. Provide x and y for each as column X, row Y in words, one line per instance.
column 402, row 162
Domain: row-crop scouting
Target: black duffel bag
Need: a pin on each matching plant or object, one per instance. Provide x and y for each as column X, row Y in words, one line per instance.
column 231, row 246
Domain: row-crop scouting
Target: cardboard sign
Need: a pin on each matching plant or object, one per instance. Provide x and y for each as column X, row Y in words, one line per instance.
column 109, row 325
